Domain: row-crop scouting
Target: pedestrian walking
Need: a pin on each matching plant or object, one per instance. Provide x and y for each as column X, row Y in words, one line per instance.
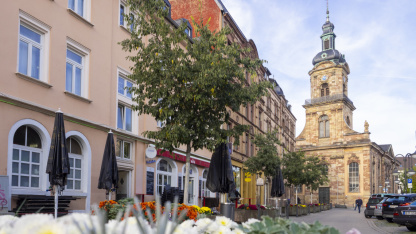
column 359, row 203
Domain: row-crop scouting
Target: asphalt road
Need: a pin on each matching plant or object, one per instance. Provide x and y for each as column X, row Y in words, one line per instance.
column 346, row 219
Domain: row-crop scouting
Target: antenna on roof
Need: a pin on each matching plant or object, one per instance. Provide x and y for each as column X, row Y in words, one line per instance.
column 327, row 11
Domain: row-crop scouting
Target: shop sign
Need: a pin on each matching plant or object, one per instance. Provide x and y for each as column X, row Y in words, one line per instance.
column 151, row 152
column 182, row 158
column 150, row 161
column 5, row 198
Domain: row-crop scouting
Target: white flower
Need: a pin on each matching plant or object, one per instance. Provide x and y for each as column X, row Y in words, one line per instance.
column 237, row 231
column 222, row 230
column 212, row 227
column 52, row 227
column 187, row 224
column 224, row 221
column 202, row 224
column 249, row 222
column 28, row 224
column 7, row 220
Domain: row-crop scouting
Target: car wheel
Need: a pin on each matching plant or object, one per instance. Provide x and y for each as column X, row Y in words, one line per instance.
column 390, row 220
column 411, row 228
column 379, row 217
column 368, row 216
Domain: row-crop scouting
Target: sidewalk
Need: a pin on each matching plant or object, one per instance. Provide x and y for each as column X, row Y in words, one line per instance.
column 342, row 219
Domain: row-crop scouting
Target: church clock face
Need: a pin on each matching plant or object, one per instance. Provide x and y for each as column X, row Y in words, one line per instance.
column 324, row 78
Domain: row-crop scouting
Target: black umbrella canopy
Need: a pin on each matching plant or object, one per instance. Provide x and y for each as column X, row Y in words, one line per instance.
column 220, row 177
column 109, row 170
column 58, row 161
column 278, row 187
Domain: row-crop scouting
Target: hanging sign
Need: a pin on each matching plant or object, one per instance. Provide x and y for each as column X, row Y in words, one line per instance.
column 151, row 152
column 247, row 179
column 260, row 182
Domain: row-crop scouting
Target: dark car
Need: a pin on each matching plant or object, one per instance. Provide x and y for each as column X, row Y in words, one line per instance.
column 406, row 215
column 395, row 201
column 370, row 206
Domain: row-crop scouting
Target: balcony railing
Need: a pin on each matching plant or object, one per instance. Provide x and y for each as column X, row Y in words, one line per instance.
column 336, row 97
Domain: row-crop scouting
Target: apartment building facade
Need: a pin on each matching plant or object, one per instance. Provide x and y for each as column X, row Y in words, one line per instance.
column 64, row 54
column 271, row 112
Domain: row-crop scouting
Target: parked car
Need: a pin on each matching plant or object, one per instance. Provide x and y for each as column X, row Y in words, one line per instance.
column 406, row 215
column 370, row 206
column 378, row 211
column 396, row 201
column 382, row 194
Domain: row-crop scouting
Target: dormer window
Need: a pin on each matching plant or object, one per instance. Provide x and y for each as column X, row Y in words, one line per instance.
column 188, row 32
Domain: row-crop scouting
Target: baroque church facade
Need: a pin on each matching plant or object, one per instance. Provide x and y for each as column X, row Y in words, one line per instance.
column 357, row 167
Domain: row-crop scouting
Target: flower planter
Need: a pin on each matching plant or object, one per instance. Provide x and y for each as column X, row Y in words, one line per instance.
column 242, row 215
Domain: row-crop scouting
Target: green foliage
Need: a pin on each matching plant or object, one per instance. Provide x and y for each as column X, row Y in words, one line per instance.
column 279, row 225
column 267, row 159
column 187, row 88
column 299, row 169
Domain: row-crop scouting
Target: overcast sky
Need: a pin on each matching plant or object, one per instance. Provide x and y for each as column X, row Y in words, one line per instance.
column 378, row 38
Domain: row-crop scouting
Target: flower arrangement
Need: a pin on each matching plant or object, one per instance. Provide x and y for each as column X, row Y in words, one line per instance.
column 203, row 210
column 250, row 207
column 77, row 223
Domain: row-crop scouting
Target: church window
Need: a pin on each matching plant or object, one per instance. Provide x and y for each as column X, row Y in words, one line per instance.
column 354, row 182
column 324, row 126
column 324, row 90
column 348, row 121
column 326, row 44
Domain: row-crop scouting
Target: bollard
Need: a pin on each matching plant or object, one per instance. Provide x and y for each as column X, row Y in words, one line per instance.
column 297, row 211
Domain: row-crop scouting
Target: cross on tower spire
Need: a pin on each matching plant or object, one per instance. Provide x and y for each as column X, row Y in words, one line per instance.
column 327, row 11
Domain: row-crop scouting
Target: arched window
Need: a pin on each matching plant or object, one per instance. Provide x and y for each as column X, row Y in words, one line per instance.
column 354, row 179
column 164, row 175
column 348, row 121
column 74, row 178
column 325, row 169
column 26, row 160
column 324, row 126
column 324, row 90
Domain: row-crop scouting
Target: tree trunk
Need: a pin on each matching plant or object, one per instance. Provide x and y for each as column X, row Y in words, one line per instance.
column 187, row 169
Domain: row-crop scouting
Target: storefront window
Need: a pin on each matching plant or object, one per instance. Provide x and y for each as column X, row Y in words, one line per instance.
column 237, row 178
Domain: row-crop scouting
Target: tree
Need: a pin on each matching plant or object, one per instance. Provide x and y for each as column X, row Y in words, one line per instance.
column 301, row 170
column 188, row 89
column 267, row 160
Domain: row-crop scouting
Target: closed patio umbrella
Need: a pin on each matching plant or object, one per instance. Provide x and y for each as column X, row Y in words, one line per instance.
column 278, row 187
column 58, row 161
column 220, row 176
column 109, row 170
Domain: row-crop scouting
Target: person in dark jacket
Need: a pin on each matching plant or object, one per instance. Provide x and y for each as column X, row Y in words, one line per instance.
column 299, row 200
column 359, row 203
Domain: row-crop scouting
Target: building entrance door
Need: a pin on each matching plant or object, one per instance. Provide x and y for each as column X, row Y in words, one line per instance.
column 191, row 193
column 123, row 185
column 324, row 195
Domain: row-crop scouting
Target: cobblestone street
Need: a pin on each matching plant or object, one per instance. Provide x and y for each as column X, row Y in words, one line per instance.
column 346, row 219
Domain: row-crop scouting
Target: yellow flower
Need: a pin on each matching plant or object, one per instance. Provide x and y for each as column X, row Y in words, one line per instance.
column 156, row 54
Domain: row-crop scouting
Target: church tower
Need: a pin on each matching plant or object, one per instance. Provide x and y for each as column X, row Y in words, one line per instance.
column 329, row 108
column 356, row 166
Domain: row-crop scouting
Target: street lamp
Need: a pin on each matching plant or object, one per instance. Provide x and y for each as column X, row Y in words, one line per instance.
column 406, row 171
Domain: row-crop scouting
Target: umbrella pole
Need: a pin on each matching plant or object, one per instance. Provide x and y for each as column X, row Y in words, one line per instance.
column 109, row 195
column 56, row 200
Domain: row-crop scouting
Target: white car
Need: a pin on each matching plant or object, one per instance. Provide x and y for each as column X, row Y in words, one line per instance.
column 378, row 210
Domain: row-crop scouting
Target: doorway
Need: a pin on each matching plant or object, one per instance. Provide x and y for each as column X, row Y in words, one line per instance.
column 123, row 185
column 324, row 195
column 191, row 194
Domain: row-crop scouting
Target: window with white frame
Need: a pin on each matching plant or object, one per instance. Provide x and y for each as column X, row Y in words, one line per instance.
column 125, row 11
column 26, row 160
column 78, row 6
column 33, row 47
column 123, row 86
column 204, row 190
column 74, row 67
column 77, row 60
column 123, row 149
column 124, row 117
column 74, row 178
column 164, row 175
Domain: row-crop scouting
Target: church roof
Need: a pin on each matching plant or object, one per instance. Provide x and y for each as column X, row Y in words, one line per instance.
column 386, row 147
